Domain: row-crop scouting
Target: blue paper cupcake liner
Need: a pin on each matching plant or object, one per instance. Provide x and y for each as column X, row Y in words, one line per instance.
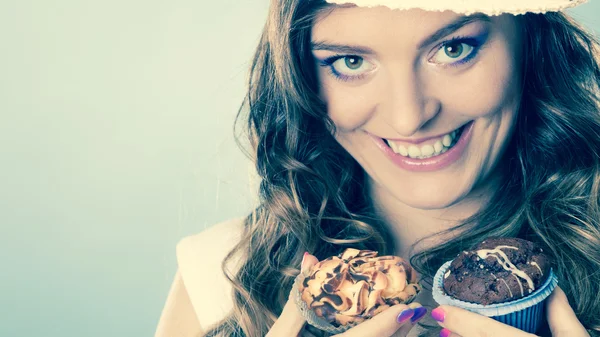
column 525, row 313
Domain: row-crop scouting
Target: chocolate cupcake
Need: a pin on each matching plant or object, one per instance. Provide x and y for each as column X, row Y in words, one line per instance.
column 345, row 290
column 507, row 279
column 497, row 270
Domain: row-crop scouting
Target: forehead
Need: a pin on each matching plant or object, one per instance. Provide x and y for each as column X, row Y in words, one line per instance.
column 381, row 24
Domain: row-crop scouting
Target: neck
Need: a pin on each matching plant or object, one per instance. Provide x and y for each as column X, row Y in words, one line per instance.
column 409, row 224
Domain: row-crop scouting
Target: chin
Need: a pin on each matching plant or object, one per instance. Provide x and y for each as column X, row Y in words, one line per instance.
column 433, row 198
column 428, row 204
column 431, row 205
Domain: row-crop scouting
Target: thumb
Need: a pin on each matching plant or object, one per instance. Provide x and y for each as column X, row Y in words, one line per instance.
column 385, row 323
column 307, row 262
column 291, row 321
column 561, row 318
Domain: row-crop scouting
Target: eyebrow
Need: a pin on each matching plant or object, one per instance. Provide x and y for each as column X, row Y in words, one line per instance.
column 440, row 33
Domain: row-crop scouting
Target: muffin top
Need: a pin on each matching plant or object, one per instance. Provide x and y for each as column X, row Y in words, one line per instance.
column 498, row 270
column 357, row 285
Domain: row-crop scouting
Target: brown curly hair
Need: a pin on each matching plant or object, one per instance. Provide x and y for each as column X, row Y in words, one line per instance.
column 312, row 191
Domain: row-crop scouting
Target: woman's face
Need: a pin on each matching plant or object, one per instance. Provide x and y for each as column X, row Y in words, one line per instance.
column 426, row 117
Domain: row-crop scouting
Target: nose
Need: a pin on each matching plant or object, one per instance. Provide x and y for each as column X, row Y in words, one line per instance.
column 405, row 105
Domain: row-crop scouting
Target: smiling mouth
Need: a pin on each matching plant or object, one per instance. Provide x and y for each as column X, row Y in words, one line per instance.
column 430, row 148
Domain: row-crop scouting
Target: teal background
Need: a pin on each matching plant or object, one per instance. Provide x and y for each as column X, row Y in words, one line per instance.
column 115, row 142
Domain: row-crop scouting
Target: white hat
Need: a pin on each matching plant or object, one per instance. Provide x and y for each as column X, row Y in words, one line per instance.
column 468, row 7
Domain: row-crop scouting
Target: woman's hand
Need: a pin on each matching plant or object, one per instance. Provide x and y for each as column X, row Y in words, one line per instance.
column 394, row 321
column 462, row 323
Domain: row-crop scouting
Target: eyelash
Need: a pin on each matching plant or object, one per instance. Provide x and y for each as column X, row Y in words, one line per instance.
column 475, row 42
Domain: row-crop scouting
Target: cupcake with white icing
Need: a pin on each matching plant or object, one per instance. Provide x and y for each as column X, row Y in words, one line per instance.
column 507, row 279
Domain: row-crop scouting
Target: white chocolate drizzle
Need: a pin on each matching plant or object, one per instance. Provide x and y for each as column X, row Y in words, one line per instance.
column 533, row 263
column 507, row 287
column 520, row 285
column 447, row 274
column 505, row 262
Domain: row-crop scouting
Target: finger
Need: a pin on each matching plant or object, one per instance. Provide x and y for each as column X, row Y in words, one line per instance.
column 420, row 312
column 447, row 333
column 454, row 319
column 384, row 324
column 310, row 331
column 290, row 322
column 561, row 317
column 307, row 262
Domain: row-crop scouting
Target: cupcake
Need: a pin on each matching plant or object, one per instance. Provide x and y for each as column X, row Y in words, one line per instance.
column 342, row 291
column 507, row 279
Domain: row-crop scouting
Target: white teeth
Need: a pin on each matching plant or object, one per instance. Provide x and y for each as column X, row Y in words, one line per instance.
column 393, row 145
column 402, row 150
column 427, row 150
column 447, row 140
column 414, row 151
column 438, row 146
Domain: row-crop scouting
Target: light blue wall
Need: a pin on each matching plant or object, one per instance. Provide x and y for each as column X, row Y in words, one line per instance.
column 115, row 142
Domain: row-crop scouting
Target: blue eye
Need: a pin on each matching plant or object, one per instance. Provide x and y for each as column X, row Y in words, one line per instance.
column 456, row 51
column 347, row 67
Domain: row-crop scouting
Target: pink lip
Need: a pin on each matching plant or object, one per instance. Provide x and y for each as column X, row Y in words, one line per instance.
column 430, row 164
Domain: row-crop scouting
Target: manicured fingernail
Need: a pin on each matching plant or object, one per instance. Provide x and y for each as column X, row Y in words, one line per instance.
column 438, row 314
column 419, row 313
column 303, row 258
column 445, row 332
column 405, row 315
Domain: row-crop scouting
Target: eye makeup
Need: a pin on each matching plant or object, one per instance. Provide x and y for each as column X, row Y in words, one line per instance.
column 476, row 42
column 328, row 63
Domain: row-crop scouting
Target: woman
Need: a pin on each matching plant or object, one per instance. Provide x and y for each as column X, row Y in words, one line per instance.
column 416, row 133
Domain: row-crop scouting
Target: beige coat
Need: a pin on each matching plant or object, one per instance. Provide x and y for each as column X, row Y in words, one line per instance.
column 200, row 295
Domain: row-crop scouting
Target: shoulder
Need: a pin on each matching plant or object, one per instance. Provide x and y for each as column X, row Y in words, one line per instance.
column 207, row 239
column 199, row 259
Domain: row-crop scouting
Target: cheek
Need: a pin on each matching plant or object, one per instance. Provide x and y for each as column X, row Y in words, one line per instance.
column 490, row 87
column 482, row 91
column 349, row 107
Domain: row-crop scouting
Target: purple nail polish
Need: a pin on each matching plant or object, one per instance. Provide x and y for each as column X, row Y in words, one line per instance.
column 419, row 313
column 445, row 332
column 405, row 315
column 438, row 314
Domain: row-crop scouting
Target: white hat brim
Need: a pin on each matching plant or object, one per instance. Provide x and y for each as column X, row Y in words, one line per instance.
column 468, row 7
